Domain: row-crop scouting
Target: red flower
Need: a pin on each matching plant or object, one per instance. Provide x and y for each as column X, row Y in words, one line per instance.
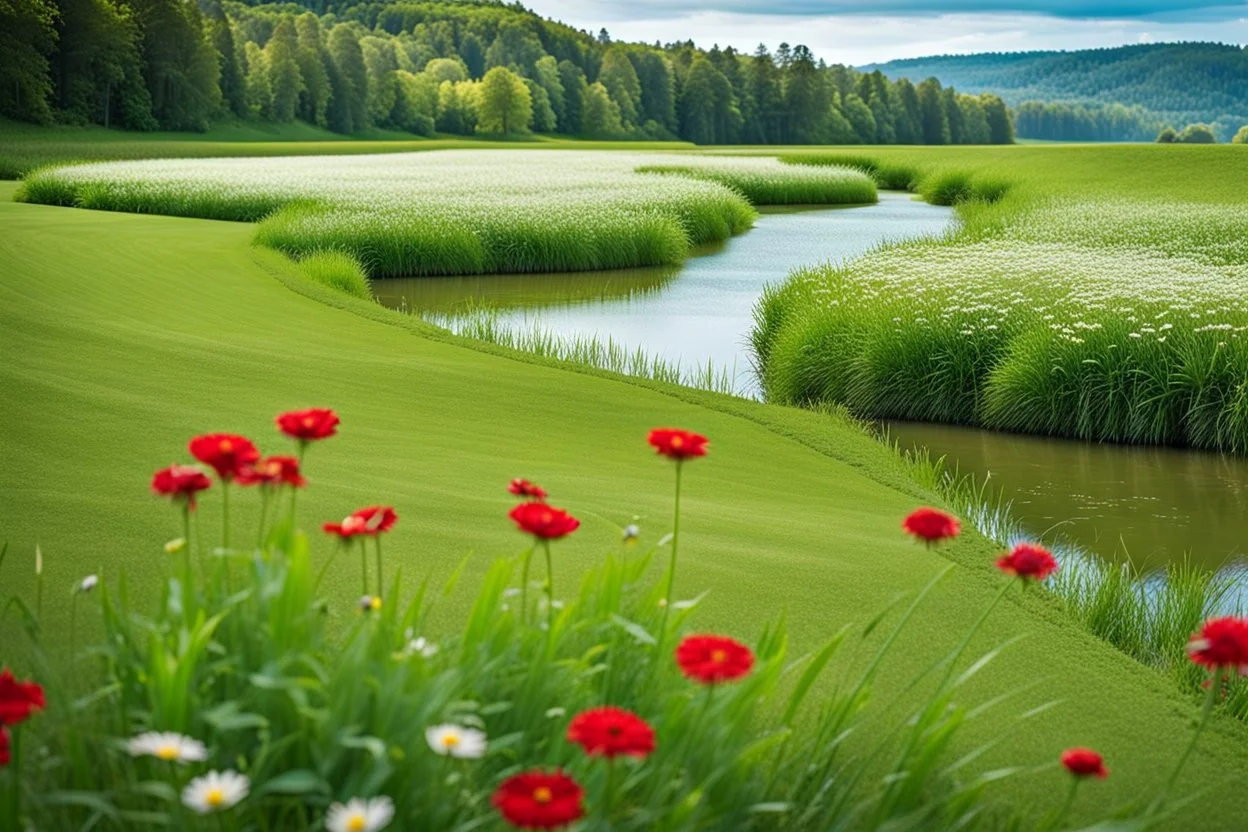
column 1029, row 562
column 539, row 800
column 4, row 746
column 543, row 521
column 308, row 425
column 1084, row 762
column 677, row 444
column 180, row 482
column 524, row 488
column 712, row 659
column 370, row 521
column 610, row 732
column 227, row 453
column 1221, row 642
column 18, row 699
column 273, row 470
column 931, row 525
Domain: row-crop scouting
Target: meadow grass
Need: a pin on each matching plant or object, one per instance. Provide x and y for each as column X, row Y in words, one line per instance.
column 338, row 271
column 463, row 212
column 122, row 342
column 1062, row 305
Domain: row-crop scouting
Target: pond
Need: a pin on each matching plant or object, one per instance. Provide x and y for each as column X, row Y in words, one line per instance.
column 1149, row 505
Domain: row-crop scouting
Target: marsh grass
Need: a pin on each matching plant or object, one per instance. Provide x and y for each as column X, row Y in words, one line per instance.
column 464, row 212
column 594, row 351
column 338, row 271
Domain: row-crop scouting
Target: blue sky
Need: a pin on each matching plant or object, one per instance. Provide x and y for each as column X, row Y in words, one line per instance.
column 864, row 31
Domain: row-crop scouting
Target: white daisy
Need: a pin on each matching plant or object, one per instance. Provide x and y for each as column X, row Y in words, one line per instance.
column 456, row 741
column 167, row 746
column 88, row 583
column 216, row 791
column 360, row 815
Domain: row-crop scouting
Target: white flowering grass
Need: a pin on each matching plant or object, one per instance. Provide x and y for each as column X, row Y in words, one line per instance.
column 1111, row 321
column 464, row 212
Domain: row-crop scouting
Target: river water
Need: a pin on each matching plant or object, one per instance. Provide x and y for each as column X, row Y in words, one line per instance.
column 1148, row 505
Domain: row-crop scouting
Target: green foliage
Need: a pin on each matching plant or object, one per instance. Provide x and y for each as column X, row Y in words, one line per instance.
column 1241, row 137
column 505, row 104
column 1094, row 317
column 1167, row 136
column 1196, row 134
column 338, row 271
column 27, row 36
column 1056, row 121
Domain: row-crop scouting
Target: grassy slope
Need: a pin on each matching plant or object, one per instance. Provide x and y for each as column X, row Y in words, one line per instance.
column 24, row 147
column 123, row 335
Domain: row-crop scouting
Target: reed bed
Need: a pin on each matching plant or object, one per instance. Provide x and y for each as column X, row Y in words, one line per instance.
column 1103, row 319
column 463, row 212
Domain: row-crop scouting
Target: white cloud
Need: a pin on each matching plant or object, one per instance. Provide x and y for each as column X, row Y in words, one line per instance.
column 860, row 39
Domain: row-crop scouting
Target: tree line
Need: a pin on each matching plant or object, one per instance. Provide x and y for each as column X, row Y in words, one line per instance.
column 457, row 68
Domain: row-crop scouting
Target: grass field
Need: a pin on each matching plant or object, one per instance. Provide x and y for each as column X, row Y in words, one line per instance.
column 124, row 334
column 24, row 148
column 1091, row 292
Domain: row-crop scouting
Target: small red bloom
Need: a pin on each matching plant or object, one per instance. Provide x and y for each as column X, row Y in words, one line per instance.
column 308, row 425
column 1029, row 562
column 524, row 488
column 370, row 521
column 180, row 482
column 610, row 732
column 227, row 453
column 931, row 525
column 677, row 444
column 273, row 470
column 543, row 521
column 18, row 699
column 1221, row 642
column 539, row 800
column 4, row 746
column 1084, row 762
column 713, row 659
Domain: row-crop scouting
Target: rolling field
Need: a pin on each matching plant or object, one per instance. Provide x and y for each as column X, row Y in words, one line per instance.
column 124, row 334
column 1091, row 292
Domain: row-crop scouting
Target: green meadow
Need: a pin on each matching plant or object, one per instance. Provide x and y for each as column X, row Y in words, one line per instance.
column 126, row 331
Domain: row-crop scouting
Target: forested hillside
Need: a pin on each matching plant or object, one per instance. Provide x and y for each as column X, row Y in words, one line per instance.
column 1129, row 92
column 446, row 67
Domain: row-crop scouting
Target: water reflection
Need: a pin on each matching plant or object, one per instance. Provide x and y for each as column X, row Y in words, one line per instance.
column 1147, row 504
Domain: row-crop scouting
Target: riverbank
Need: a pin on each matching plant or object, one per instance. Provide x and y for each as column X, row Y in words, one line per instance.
column 126, row 341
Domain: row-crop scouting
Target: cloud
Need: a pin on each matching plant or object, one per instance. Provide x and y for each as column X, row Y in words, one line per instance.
column 1176, row 10
column 858, row 39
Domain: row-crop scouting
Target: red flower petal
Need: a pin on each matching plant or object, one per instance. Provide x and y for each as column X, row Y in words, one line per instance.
column 610, row 732
column 677, row 444
column 539, row 800
column 713, row 659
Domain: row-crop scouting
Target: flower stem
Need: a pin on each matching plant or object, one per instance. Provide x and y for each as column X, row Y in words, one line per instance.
column 73, row 630
column 264, row 514
column 225, row 514
column 381, row 584
column 1070, row 801
column 364, row 565
column 524, row 585
column 550, row 591
column 608, row 797
column 671, row 568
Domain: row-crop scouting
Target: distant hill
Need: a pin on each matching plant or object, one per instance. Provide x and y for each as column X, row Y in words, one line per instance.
column 1178, row 83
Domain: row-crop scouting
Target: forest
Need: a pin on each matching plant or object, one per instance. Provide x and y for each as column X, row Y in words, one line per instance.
column 1175, row 84
column 457, row 68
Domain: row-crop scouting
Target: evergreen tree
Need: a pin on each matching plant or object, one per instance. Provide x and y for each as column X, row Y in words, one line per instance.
column 285, row 82
column 544, row 120
column 313, row 69
column 546, row 75
column 233, row 83
column 348, row 82
column 257, row 92
column 506, row 106
column 807, row 99
column 975, row 128
column 708, row 112
column 473, row 55
column 658, row 90
column 1000, row 125
column 763, row 82
column 179, row 63
column 96, row 68
column 861, row 119
column 516, row 48
column 905, row 108
column 574, row 92
column 953, row 115
column 27, row 38
column 933, row 123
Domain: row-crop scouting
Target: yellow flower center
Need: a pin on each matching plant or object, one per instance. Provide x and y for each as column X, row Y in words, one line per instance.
column 542, row 795
column 226, row 446
column 308, row 422
column 718, row 656
column 677, row 441
column 214, row 797
column 356, row 823
column 450, row 740
column 167, row 752
column 375, row 603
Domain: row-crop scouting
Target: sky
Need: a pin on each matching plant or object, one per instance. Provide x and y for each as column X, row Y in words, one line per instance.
column 858, row 32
